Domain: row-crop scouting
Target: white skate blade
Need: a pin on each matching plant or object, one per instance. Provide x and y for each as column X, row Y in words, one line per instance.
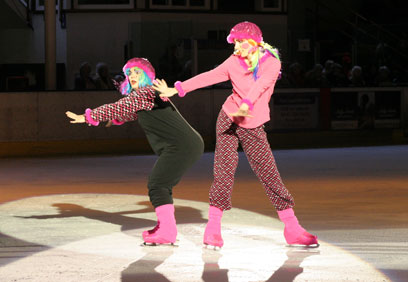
column 299, row 246
column 146, row 244
column 211, row 247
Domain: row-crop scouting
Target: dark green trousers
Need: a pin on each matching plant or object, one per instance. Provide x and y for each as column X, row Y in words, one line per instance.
column 176, row 143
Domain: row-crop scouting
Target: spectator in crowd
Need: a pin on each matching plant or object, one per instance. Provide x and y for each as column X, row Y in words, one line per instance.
column 366, row 113
column 103, row 79
column 403, row 42
column 337, row 78
column 327, row 73
column 314, row 77
column 400, row 77
column 370, row 73
column 169, row 65
column 346, row 64
column 328, row 67
column 84, row 81
column 383, row 54
column 333, row 75
column 119, row 78
column 31, row 79
column 283, row 82
column 356, row 77
column 296, row 75
column 186, row 72
column 384, row 77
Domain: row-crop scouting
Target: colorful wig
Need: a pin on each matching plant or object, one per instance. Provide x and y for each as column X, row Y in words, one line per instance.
column 255, row 57
column 252, row 33
column 146, row 79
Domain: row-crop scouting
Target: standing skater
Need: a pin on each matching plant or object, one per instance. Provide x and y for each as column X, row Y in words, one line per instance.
column 253, row 70
column 176, row 143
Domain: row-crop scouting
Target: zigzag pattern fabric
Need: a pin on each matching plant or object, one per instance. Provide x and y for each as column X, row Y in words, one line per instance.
column 258, row 151
column 126, row 108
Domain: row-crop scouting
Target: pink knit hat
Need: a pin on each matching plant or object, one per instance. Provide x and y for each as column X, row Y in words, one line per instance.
column 245, row 30
column 143, row 64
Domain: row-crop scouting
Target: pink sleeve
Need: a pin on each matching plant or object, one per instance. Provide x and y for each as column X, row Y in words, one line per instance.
column 123, row 109
column 214, row 76
column 266, row 80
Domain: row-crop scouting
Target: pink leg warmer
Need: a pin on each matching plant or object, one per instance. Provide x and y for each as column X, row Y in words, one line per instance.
column 212, row 234
column 165, row 231
column 294, row 233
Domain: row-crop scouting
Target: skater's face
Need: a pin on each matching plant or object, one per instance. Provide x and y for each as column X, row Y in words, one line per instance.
column 134, row 75
column 243, row 47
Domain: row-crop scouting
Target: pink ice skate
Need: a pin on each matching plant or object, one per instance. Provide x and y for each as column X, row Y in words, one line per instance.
column 165, row 231
column 294, row 233
column 212, row 233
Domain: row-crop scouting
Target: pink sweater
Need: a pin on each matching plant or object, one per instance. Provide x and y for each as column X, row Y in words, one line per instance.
column 245, row 89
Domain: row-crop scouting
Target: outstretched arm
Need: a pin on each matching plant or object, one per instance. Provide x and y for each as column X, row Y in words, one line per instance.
column 214, row 76
column 219, row 74
column 121, row 111
column 81, row 119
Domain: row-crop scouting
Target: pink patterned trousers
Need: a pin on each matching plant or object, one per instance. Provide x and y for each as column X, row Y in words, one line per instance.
column 258, row 151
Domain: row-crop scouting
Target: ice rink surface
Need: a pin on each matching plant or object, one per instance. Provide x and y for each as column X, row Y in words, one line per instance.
column 81, row 219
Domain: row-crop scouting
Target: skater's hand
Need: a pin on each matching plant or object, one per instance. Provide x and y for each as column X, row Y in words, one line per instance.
column 109, row 124
column 160, row 85
column 243, row 111
column 75, row 118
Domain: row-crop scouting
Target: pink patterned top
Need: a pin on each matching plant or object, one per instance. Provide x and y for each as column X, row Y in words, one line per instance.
column 255, row 93
column 123, row 110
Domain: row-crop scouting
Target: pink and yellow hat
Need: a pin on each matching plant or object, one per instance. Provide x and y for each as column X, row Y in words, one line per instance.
column 245, row 30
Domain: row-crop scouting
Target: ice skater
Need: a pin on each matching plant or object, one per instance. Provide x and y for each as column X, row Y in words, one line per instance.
column 253, row 69
column 175, row 142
